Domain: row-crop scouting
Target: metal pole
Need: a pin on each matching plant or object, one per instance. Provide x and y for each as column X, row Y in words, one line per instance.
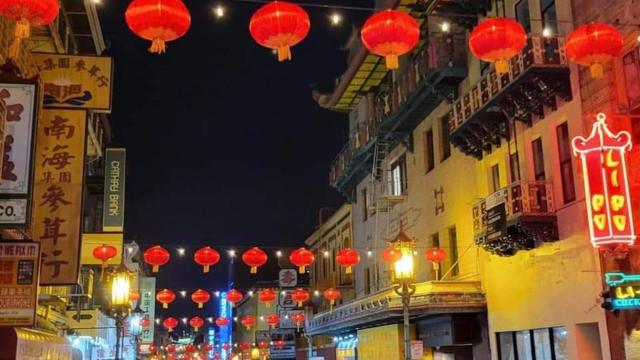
column 118, row 326
column 406, row 296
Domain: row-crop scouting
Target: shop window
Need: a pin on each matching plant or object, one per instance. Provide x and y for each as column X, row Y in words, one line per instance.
column 398, row 183
column 495, row 178
column 538, row 159
column 365, row 205
column 514, row 167
column 566, row 169
column 522, row 14
column 445, row 143
column 429, row 155
column 534, row 344
column 631, row 69
column 453, row 249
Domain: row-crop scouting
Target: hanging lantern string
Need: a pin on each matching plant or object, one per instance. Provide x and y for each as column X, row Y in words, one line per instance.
column 324, row 6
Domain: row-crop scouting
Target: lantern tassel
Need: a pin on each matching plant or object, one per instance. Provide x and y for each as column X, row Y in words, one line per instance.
column 347, row 270
column 502, row 66
column 254, row 270
column 165, row 305
column 206, row 269
column 267, row 305
column 158, row 46
column 199, row 305
column 284, row 53
column 155, row 268
column 392, row 61
column 23, row 31
column 301, row 269
column 596, row 71
column 299, row 303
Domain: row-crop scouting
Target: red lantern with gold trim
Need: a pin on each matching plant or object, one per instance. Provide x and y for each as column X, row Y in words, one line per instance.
column 254, row 258
column 390, row 33
column 391, row 255
column 280, row 344
column 171, row 348
column 234, row 297
column 145, row 323
column 332, row 294
column 170, row 323
column 196, row 323
column 226, row 346
column 497, row 40
column 348, row 258
column 300, row 296
column 190, row 348
column 279, row 25
column 301, row 258
column 266, row 297
column 27, row 13
column 165, row 297
column 594, row 45
column 244, row 346
column 200, row 297
column 298, row 319
column 156, row 256
column 263, row 344
column 222, row 321
column 273, row 320
column 134, row 296
column 435, row 255
column 104, row 253
column 206, row 257
column 158, row 21
column 248, row 321
column 207, row 347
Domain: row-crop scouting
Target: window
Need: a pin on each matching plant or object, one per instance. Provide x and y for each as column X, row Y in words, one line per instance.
column 538, row 344
column 522, row 14
column 631, row 69
column 325, row 266
column 560, row 343
column 365, row 205
column 453, row 249
column 566, row 170
column 445, row 143
column 429, row 156
column 435, row 240
column 523, row 345
column 538, row 159
column 507, row 350
column 549, row 16
column 367, row 281
column 542, row 344
column 398, row 184
column 495, row 178
column 514, row 167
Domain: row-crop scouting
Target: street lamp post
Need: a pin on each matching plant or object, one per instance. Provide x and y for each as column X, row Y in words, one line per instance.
column 120, row 304
column 404, row 287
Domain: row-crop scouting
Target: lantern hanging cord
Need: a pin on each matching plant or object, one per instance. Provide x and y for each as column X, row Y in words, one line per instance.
column 323, row 6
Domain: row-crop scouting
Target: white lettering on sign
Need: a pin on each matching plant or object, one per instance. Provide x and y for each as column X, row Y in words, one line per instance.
column 13, row 211
column 114, row 199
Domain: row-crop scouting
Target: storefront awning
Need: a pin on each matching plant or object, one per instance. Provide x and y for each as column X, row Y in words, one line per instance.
column 28, row 344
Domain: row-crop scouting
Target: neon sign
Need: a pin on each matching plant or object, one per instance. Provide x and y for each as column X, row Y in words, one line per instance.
column 224, row 310
column 625, row 290
column 604, row 171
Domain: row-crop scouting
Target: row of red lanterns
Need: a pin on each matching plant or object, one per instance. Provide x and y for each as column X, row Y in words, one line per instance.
column 248, row 321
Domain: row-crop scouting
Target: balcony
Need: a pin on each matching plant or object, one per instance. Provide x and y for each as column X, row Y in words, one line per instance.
column 515, row 218
column 399, row 104
column 537, row 83
column 431, row 298
column 462, row 12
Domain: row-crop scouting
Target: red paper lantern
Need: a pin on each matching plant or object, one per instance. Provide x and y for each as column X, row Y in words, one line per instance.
column 158, row 21
column 244, row 346
column 196, row 323
column 391, row 255
column 267, row 296
column 153, row 348
column 435, row 255
column 300, row 296
column 390, row 33
column 170, row 323
column 207, row 347
column 156, row 256
column 332, row 295
column 234, row 297
column 190, row 348
column 280, row 343
column 248, row 321
column 165, row 297
column 206, row 257
column 200, row 297
column 105, row 253
column 226, row 346
column 134, row 296
column 298, row 319
column 348, row 258
column 27, row 13
column 497, row 40
column 171, row 348
column 279, row 25
column 301, row 258
column 254, row 258
column 273, row 320
column 263, row 344
column 222, row 321
column 594, row 45
column 146, row 322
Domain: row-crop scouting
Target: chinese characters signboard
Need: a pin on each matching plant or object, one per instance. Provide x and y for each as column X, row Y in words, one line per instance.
column 82, row 82
column 148, row 305
column 625, row 290
column 114, row 179
column 20, row 101
column 19, row 262
column 606, row 185
column 57, row 198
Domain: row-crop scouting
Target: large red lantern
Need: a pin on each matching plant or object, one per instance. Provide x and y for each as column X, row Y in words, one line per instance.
column 435, row 255
column 190, row 348
column 254, row 258
column 390, row 33
column 332, row 294
column 348, row 258
column 104, row 253
column 497, row 40
column 266, row 297
column 170, row 323
column 200, row 297
column 156, row 256
column 279, row 25
column 301, row 258
column 158, row 21
column 298, row 319
column 134, row 296
column 206, row 257
column 280, row 344
column 300, row 296
column 391, row 255
column 153, row 348
column 171, row 348
column 226, row 346
column 27, row 13
column 263, row 344
column 594, row 45
column 606, row 185
column 222, row 321
column 196, row 323
column 273, row 320
column 248, row 321
column 145, row 323
column 165, row 297
column 244, row 346
column 207, row 347
column 234, row 297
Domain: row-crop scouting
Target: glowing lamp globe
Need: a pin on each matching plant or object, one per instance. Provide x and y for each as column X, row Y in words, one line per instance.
column 254, row 258
column 234, row 296
column 156, row 256
column 170, row 323
column 159, row 21
column 200, row 297
column 196, row 323
column 497, row 40
column 594, row 45
column 348, row 258
column 300, row 296
column 206, row 257
column 279, row 25
column 165, row 297
column 391, row 34
column 248, row 321
column 222, row 321
column 27, row 13
column 391, row 255
column 273, row 320
column 301, row 258
column 266, row 297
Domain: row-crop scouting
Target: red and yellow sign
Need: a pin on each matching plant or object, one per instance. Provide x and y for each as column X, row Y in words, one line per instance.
column 57, row 200
column 19, row 263
column 606, row 184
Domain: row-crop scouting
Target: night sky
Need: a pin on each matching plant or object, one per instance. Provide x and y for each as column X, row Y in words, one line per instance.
column 225, row 145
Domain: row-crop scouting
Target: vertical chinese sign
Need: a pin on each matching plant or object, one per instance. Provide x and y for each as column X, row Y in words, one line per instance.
column 19, row 263
column 606, row 184
column 20, row 98
column 148, row 305
column 114, row 180
column 57, row 201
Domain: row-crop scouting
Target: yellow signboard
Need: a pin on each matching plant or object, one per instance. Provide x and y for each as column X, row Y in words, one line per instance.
column 57, row 199
column 383, row 342
column 76, row 81
column 92, row 240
